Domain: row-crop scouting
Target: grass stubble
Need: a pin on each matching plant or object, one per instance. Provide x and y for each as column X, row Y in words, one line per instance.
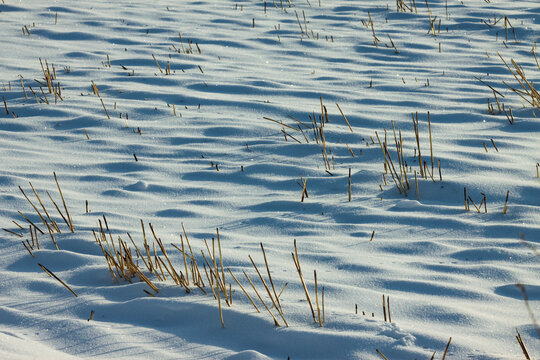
column 123, row 261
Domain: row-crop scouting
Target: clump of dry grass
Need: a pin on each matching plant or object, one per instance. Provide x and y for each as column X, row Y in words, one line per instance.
column 188, row 49
column 527, row 91
column 156, row 265
column 51, row 225
column 400, row 168
column 123, row 263
column 317, row 125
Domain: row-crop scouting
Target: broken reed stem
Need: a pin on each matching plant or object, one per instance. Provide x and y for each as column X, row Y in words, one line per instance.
column 194, row 263
column 64, row 203
column 22, row 85
column 280, row 123
column 305, row 22
column 506, row 202
column 218, row 281
column 276, row 322
column 401, row 165
column 289, row 135
column 52, row 238
column 147, row 249
column 95, row 88
column 393, row 45
column 304, row 191
column 44, row 96
column 53, row 223
column 317, row 299
column 58, row 209
column 375, row 39
column 416, row 132
column 393, row 171
column 5, row 105
column 36, row 236
column 185, row 261
column 137, row 251
column 104, row 108
column 299, row 269
column 178, row 279
column 30, row 222
column 446, row 350
column 46, row 74
column 244, row 290
column 322, row 109
column 33, row 93
column 142, row 277
column 11, row 232
column 31, row 234
column 283, row 289
column 222, row 271
column 36, row 209
column 173, row 275
column 211, row 265
column 270, row 278
column 430, row 142
column 384, row 307
column 526, row 297
column 268, row 291
column 27, row 248
column 344, row 117
column 323, row 314
column 210, row 279
column 416, row 182
column 495, row 146
column 219, row 296
column 157, row 261
column 299, row 24
column 48, row 272
column 386, row 163
column 522, row 345
column 474, row 204
column 159, row 67
column 388, row 306
column 426, row 171
column 381, row 354
column 107, row 256
column 181, row 43
column 352, row 154
column 350, row 184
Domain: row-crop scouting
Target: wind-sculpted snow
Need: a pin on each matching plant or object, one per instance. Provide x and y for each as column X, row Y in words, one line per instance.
column 253, row 117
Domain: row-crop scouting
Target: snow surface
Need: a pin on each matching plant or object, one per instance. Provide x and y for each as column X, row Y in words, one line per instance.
column 448, row 272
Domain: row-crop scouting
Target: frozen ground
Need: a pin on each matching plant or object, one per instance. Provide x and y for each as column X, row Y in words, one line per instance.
column 448, row 272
